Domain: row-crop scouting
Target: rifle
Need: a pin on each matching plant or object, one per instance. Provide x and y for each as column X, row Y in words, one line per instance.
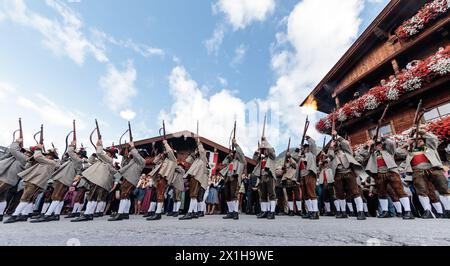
column 416, row 123
column 74, row 137
column 377, row 129
column 99, row 136
column 234, row 137
column 198, row 137
column 20, row 133
column 41, row 137
column 259, row 146
column 130, row 133
column 286, row 155
column 333, row 128
column 305, row 130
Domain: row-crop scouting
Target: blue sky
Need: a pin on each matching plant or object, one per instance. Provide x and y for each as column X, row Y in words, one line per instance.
column 181, row 61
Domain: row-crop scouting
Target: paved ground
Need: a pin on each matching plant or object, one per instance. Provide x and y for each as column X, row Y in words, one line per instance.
column 213, row 230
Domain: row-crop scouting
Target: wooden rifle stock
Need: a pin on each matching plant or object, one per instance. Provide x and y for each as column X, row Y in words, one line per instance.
column 129, row 131
column 99, row 135
column 20, row 133
column 286, row 155
column 377, row 129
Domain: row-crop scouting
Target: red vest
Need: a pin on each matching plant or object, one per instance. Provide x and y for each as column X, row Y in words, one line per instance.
column 325, row 176
column 381, row 162
column 302, row 165
column 418, row 158
column 263, row 164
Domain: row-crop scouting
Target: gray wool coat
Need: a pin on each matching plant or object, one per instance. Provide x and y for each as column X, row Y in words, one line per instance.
column 270, row 160
column 69, row 169
column 198, row 169
column 12, row 164
column 41, row 172
column 388, row 153
column 343, row 153
column 133, row 169
column 101, row 173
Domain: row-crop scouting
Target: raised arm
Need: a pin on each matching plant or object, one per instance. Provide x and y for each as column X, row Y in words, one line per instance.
column 389, row 145
column 312, row 145
column 102, row 155
column 169, row 151
column 431, row 140
column 14, row 149
column 240, row 153
column 40, row 158
column 345, row 145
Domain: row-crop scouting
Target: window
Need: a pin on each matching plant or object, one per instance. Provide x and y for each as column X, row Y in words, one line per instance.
column 437, row 112
column 385, row 131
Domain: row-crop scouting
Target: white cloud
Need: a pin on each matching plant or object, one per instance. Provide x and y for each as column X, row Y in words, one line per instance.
column 223, row 81
column 63, row 36
column 128, row 114
column 241, row 13
column 319, row 31
column 5, row 90
column 215, row 113
column 118, row 86
column 239, row 54
column 100, row 38
column 213, row 44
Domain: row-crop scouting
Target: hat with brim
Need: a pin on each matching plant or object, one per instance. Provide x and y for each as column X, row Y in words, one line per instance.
column 52, row 152
column 113, row 151
column 82, row 153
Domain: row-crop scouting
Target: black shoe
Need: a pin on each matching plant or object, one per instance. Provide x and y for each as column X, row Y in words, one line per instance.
column 361, row 216
column 43, row 219
column 367, row 214
column 314, row 216
column 98, row 214
column 12, row 219
column 126, row 216
column 439, row 216
column 187, row 216
column 427, row 215
column 1, row 218
column 84, row 218
column 408, row 216
column 271, row 216
column 235, row 216
column 72, row 215
column 148, row 214
column 117, row 217
column 38, row 216
column 399, row 215
column 306, row 215
column 262, row 215
column 299, row 213
column 384, row 214
column 201, row 214
column 341, row 215
column 352, row 214
column 22, row 218
column 175, row 214
column 446, row 215
column 291, row 213
column 170, row 213
column 229, row 215
column 155, row 217
column 328, row 214
column 195, row 215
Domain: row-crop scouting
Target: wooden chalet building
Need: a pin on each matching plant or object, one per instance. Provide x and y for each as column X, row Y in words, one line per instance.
column 185, row 143
column 396, row 60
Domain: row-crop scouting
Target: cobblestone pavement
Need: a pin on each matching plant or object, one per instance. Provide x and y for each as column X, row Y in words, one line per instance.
column 213, row 230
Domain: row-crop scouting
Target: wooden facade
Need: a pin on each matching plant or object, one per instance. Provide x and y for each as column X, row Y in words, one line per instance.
column 377, row 55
